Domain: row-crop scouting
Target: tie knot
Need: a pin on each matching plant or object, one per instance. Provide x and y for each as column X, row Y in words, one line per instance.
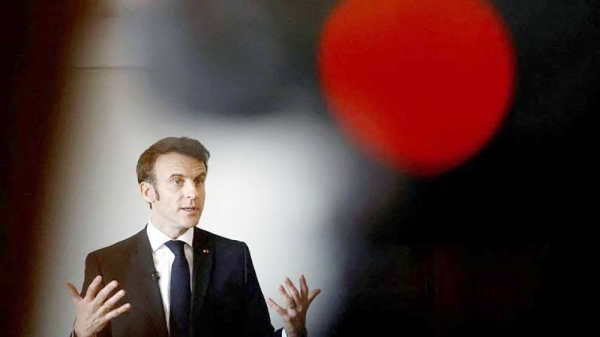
column 176, row 246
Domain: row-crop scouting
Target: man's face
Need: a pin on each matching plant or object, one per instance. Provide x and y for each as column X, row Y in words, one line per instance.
column 179, row 181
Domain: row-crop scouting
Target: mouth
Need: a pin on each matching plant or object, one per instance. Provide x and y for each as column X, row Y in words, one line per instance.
column 190, row 209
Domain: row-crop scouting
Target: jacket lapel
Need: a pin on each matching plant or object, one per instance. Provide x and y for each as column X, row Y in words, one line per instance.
column 145, row 285
column 203, row 263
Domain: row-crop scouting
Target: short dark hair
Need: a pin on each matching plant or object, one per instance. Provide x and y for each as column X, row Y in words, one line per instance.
column 182, row 145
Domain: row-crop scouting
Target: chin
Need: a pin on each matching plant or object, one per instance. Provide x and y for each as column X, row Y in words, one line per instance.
column 190, row 224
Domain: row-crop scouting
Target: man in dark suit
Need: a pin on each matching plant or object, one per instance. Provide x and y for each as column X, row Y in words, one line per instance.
column 128, row 290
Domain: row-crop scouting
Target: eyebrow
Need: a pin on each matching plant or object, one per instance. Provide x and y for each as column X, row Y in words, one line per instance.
column 179, row 175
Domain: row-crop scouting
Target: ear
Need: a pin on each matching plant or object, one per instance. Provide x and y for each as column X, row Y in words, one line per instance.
column 147, row 191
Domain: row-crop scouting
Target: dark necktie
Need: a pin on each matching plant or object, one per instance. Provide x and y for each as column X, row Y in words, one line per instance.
column 179, row 318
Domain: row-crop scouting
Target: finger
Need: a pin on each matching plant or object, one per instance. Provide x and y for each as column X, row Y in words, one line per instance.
column 114, row 313
column 114, row 299
column 292, row 289
column 93, row 288
column 286, row 297
column 283, row 293
column 303, row 287
column 313, row 294
column 73, row 292
column 278, row 309
column 105, row 292
column 103, row 309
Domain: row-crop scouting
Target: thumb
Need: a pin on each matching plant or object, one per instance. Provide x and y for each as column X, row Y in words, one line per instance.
column 73, row 292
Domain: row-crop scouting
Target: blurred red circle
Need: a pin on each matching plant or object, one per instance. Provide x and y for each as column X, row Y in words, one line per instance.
column 420, row 85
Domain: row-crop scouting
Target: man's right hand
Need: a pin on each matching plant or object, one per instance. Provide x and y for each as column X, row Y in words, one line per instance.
column 94, row 310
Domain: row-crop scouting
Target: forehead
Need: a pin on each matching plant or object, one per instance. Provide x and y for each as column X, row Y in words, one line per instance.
column 174, row 163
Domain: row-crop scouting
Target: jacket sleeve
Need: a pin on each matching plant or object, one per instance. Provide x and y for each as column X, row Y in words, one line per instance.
column 258, row 321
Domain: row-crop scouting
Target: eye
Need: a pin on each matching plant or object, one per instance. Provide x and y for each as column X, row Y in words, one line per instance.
column 199, row 182
column 177, row 181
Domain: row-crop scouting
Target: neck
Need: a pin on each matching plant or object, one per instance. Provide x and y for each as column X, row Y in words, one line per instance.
column 171, row 232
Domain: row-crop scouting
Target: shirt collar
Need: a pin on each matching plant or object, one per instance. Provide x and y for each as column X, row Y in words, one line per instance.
column 158, row 238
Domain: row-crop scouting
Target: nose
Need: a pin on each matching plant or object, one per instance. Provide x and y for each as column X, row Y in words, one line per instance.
column 191, row 190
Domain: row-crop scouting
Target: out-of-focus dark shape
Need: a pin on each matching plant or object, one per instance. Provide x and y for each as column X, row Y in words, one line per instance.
column 500, row 246
column 35, row 40
column 214, row 57
column 557, row 50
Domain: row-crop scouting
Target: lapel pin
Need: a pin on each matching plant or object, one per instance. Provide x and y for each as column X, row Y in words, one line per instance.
column 205, row 251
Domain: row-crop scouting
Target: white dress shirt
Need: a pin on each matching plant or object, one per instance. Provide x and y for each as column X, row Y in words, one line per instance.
column 163, row 259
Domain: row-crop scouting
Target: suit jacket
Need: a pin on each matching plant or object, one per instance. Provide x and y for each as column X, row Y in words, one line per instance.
column 226, row 296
